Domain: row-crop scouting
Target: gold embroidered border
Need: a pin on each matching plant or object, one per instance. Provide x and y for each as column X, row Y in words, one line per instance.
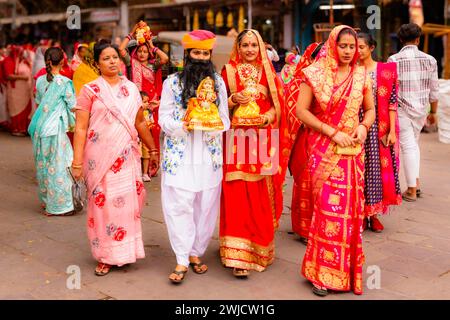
column 271, row 192
column 330, row 278
column 240, row 175
column 242, row 253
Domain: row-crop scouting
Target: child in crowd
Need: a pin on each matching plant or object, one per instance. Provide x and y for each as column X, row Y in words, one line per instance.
column 148, row 115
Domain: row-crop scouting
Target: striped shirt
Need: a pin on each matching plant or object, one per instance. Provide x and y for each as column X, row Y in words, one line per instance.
column 418, row 80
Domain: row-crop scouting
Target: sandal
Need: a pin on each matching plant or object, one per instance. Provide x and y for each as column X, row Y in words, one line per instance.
column 70, row 213
column 418, row 193
column 104, row 269
column 197, row 267
column 178, row 273
column 240, row 273
column 319, row 291
column 304, row 240
column 408, row 197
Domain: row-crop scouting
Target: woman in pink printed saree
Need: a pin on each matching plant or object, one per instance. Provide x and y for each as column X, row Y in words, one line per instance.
column 329, row 103
column 109, row 120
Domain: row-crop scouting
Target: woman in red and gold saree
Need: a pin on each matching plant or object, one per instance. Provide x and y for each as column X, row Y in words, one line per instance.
column 335, row 87
column 17, row 71
column 301, row 212
column 254, row 168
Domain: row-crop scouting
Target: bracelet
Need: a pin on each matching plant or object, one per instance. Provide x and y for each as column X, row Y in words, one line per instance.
column 365, row 126
column 154, row 150
column 155, row 49
column 77, row 166
column 431, row 112
column 334, row 133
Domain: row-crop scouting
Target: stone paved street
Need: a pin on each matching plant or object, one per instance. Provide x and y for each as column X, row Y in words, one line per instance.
column 413, row 252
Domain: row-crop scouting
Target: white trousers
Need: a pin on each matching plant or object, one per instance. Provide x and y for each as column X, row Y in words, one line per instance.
column 409, row 145
column 190, row 218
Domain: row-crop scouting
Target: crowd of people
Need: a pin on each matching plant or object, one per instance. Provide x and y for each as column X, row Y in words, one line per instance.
column 337, row 119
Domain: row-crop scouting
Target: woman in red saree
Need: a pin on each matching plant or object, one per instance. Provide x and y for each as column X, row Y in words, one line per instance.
column 301, row 212
column 254, row 168
column 334, row 89
column 18, row 90
column 382, row 187
column 145, row 62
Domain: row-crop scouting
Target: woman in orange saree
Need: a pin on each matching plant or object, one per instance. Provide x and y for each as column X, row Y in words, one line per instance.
column 301, row 212
column 334, row 89
column 254, row 168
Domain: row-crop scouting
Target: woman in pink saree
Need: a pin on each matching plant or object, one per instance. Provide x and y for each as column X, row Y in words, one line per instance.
column 109, row 119
column 329, row 103
column 382, row 186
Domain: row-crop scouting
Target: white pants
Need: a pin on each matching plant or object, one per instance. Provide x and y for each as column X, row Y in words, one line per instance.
column 190, row 218
column 409, row 145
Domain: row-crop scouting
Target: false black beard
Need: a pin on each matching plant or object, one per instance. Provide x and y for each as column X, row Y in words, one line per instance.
column 195, row 70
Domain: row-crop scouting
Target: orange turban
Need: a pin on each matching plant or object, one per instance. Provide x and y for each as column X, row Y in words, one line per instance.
column 199, row 39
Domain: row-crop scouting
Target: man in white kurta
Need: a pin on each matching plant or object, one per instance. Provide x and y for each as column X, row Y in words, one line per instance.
column 191, row 160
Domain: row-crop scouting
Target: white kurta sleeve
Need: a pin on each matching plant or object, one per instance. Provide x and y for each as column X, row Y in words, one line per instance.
column 169, row 125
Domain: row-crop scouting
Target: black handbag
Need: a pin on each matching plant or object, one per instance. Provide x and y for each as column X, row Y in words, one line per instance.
column 78, row 193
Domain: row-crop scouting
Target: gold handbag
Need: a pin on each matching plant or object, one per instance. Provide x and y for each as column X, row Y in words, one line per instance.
column 348, row 151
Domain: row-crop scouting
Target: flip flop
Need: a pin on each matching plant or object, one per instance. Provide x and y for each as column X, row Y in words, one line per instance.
column 240, row 273
column 178, row 273
column 418, row 193
column 321, row 292
column 197, row 267
column 104, row 269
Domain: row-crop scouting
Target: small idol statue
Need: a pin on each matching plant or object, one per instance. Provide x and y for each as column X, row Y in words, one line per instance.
column 202, row 113
column 248, row 114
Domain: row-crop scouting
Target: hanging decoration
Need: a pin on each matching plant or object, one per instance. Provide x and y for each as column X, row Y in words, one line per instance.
column 196, row 24
column 210, row 17
column 241, row 24
column 230, row 22
column 219, row 19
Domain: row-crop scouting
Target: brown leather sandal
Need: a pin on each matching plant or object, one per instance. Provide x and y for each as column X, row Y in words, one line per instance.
column 409, row 197
column 178, row 273
column 197, row 267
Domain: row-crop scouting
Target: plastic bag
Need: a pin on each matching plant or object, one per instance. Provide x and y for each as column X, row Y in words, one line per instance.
column 78, row 193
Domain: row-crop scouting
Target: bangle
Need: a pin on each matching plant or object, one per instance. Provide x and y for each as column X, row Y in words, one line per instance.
column 334, row 133
column 431, row 112
column 77, row 166
column 154, row 150
column 365, row 126
column 155, row 49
